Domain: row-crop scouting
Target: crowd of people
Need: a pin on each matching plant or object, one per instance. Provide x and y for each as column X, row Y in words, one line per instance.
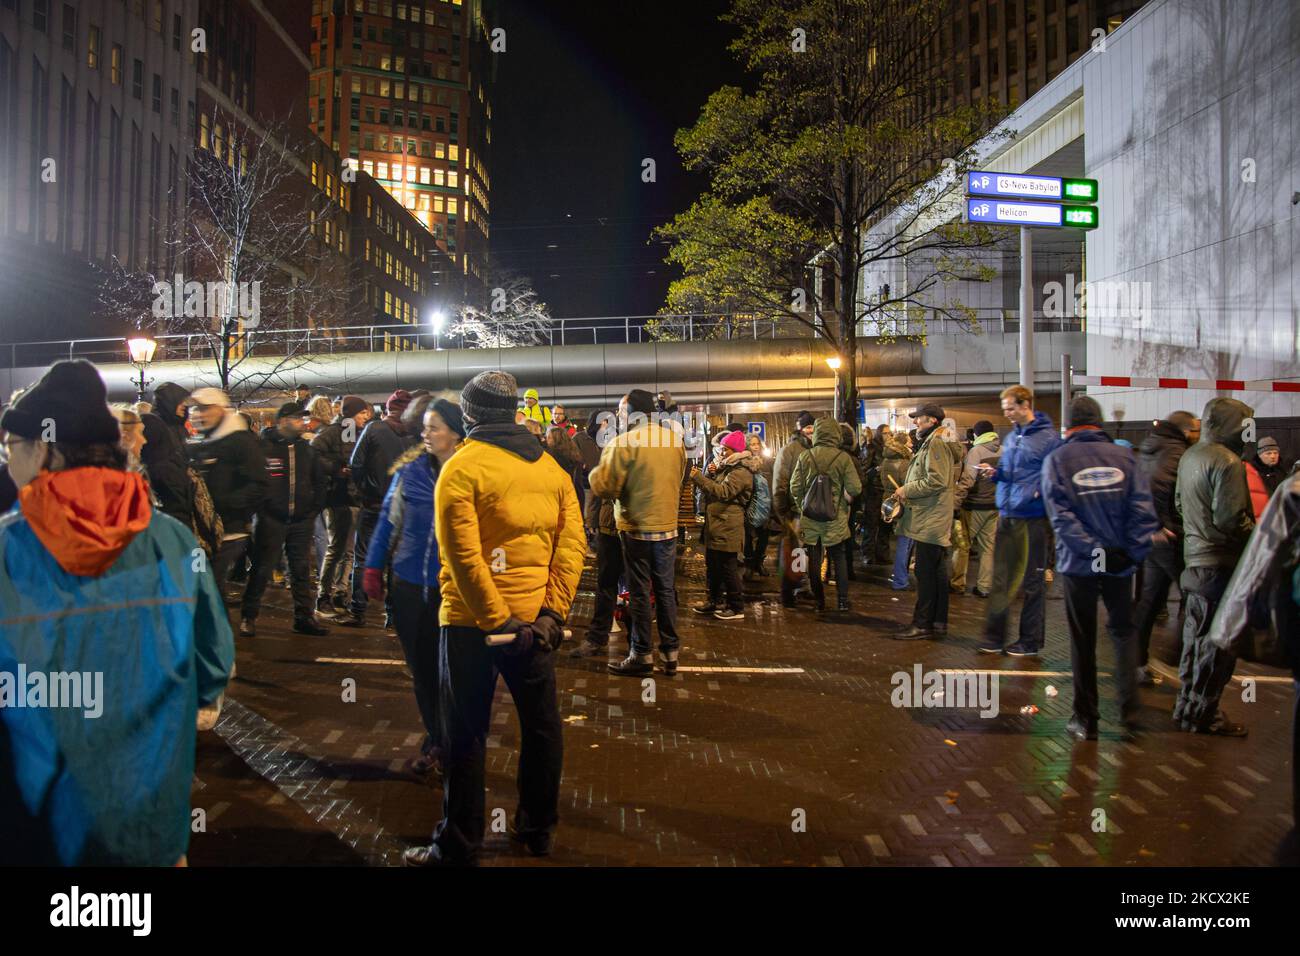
column 471, row 521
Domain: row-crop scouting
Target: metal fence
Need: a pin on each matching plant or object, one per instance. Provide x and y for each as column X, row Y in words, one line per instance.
column 603, row 330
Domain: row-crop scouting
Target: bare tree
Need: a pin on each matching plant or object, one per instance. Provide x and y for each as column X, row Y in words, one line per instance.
column 260, row 256
column 508, row 313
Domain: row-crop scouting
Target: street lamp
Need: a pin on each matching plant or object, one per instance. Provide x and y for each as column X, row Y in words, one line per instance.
column 142, row 350
column 834, row 364
column 436, row 322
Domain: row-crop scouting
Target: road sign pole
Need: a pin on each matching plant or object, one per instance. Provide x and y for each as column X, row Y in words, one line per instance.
column 1026, row 308
column 1067, row 371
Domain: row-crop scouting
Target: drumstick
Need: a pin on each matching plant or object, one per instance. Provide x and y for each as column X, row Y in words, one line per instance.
column 497, row 640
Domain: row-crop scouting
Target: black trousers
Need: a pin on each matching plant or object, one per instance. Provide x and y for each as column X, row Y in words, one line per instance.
column 231, row 551
column 931, row 585
column 272, row 538
column 1163, row 566
column 1203, row 668
column 837, row 557
column 1081, row 594
column 609, row 568
column 415, row 617
column 469, row 672
column 1019, row 558
column 756, row 547
column 722, row 572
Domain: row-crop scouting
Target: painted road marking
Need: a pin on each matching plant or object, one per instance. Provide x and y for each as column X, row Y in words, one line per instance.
column 359, row 660
column 695, row 669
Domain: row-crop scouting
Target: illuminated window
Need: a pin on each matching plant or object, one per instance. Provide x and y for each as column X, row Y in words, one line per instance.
column 439, row 177
column 424, row 175
column 356, row 84
column 383, row 171
column 397, row 172
column 315, row 174
column 383, row 87
column 440, row 150
column 453, row 153
column 368, row 166
column 92, row 48
column 205, row 131
column 115, row 65
column 453, row 179
column 410, row 174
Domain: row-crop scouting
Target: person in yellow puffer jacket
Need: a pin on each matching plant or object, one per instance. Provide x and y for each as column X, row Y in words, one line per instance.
column 533, row 409
column 512, row 545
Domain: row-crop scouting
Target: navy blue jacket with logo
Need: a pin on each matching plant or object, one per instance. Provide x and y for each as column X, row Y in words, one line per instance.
column 1097, row 499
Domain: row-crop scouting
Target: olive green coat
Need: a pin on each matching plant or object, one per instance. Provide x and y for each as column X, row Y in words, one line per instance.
column 727, row 494
column 930, row 490
column 826, row 457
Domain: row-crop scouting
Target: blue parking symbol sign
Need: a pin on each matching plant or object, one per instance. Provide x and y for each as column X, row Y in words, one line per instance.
column 759, row 429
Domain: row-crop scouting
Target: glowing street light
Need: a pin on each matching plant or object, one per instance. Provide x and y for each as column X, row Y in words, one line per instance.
column 142, row 350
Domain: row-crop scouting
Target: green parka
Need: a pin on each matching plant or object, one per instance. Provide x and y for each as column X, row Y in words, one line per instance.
column 727, row 494
column 929, row 492
column 828, row 458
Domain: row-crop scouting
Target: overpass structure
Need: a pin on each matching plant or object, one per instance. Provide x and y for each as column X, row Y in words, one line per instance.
column 739, row 374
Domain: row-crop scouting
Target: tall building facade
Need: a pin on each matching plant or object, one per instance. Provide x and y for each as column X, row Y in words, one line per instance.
column 97, row 104
column 402, row 91
column 1007, row 50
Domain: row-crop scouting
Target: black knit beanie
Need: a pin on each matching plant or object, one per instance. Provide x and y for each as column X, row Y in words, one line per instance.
column 1085, row 411
column 72, row 398
column 490, row 397
column 450, row 413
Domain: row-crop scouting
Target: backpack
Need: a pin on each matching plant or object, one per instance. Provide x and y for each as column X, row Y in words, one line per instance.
column 819, row 500
column 760, row 505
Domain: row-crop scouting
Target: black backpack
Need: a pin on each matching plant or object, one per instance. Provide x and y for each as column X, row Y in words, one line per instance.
column 819, row 499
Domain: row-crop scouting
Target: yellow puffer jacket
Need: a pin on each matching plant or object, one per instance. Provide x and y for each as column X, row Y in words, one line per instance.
column 510, row 534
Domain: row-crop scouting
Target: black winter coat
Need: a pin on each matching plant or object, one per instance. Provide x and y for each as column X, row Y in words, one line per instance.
column 1158, row 459
column 335, row 454
column 233, row 465
column 296, row 484
column 381, row 444
column 166, row 461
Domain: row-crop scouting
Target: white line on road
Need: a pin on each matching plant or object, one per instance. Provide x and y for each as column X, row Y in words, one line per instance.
column 358, row 660
column 691, row 668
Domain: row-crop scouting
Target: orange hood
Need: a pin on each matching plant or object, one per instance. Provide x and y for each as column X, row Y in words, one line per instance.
column 86, row 517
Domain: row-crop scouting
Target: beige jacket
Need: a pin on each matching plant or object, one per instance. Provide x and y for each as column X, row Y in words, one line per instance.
column 642, row 471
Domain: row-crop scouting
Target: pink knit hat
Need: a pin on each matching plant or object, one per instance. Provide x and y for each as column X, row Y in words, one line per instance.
column 734, row 440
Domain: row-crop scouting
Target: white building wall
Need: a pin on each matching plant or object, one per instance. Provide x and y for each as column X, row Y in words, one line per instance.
column 1185, row 93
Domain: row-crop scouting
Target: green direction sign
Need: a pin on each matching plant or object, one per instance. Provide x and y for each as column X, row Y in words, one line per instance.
column 1080, row 217
column 1079, row 190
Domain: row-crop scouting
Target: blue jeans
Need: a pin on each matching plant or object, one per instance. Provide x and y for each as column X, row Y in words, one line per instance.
column 902, row 555
column 651, row 566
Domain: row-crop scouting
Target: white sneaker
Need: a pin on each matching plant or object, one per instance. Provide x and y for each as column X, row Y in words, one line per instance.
column 208, row 716
column 726, row 614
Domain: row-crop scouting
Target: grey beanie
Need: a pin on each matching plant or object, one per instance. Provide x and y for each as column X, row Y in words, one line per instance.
column 490, row 397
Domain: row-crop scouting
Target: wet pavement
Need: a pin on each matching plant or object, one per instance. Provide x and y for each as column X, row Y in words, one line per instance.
column 778, row 743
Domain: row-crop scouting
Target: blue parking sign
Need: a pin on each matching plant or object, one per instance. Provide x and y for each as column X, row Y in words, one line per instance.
column 759, row 429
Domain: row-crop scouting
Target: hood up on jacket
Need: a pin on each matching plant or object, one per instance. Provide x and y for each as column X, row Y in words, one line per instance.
column 515, row 439
column 165, row 399
column 988, row 438
column 1222, row 423
column 826, row 431
column 86, row 517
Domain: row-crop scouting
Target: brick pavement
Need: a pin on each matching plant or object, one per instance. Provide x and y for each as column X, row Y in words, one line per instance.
column 732, row 765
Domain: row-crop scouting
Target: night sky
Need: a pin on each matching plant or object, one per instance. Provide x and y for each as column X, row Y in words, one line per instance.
column 584, row 92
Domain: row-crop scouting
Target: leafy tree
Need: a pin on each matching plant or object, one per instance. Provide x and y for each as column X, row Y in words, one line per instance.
column 844, row 129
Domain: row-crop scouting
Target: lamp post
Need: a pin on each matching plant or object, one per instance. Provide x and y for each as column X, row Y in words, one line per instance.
column 142, row 350
column 834, row 364
column 436, row 322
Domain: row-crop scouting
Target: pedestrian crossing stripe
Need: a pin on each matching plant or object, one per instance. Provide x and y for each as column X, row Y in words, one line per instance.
column 359, row 660
column 739, row 670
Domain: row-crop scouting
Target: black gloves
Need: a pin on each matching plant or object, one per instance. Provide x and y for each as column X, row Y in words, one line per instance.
column 1117, row 561
column 548, row 631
